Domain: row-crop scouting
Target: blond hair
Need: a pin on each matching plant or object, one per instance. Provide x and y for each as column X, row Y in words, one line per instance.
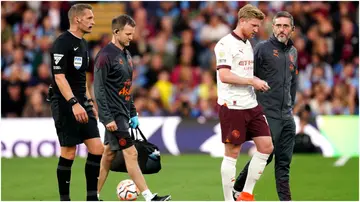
column 77, row 10
column 249, row 11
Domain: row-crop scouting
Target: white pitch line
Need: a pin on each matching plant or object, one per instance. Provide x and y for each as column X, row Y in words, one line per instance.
column 341, row 161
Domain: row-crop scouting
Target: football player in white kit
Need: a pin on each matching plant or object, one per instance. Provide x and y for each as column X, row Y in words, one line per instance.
column 241, row 118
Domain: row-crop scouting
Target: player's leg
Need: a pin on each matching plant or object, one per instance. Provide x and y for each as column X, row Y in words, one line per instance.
column 257, row 127
column 228, row 169
column 132, row 165
column 275, row 129
column 121, row 140
column 107, row 157
column 240, row 180
column 63, row 171
column 233, row 132
column 283, row 153
column 92, row 167
column 95, row 148
column 68, row 134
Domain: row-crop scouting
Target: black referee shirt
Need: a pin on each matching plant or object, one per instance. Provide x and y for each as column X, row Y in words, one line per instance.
column 70, row 56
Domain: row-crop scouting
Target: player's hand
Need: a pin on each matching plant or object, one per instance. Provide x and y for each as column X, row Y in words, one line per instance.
column 134, row 122
column 111, row 126
column 260, row 85
column 80, row 113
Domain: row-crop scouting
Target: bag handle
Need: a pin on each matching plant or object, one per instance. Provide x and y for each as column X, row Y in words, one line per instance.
column 137, row 129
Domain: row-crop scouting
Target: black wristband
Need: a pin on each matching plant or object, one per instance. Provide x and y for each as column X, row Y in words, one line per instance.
column 73, row 101
column 90, row 100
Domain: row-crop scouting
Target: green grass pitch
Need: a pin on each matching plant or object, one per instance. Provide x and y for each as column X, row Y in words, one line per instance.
column 185, row 177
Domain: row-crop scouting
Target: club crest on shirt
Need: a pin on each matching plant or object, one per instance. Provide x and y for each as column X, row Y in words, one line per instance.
column 77, row 62
column 276, row 53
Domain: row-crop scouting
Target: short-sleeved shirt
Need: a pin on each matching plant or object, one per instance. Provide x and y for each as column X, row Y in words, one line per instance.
column 70, row 56
column 237, row 55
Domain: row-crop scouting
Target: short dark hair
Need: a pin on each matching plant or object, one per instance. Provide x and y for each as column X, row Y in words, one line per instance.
column 77, row 9
column 122, row 20
column 286, row 15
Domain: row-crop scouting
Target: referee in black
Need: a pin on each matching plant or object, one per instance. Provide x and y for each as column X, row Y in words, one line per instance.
column 71, row 105
column 112, row 82
column 275, row 62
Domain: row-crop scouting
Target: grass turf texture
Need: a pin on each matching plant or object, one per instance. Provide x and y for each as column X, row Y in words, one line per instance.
column 186, row 177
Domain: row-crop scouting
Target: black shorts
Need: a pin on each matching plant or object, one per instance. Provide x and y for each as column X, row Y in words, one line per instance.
column 70, row 132
column 119, row 139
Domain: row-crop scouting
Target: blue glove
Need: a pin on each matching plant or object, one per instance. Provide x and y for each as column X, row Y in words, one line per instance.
column 134, row 122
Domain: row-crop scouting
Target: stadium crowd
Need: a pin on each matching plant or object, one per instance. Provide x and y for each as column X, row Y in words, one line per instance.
column 175, row 68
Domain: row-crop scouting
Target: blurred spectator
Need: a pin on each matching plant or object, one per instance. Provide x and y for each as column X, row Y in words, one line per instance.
column 173, row 54
column 36, row 107
column 20, row 65
column 155, row 66
column 25, row 32
column 184, row 70
column 346, row 42
column 13, row 102
column 303, row 56
column 46, row 29
column 213, row 30
column 41, row 81
column 319, row 103
column 6, row 32
column 165, row 88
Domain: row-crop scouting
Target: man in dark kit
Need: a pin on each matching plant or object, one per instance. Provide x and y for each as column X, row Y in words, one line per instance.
column 112, row 82
column 71, row 105
column 275, row 61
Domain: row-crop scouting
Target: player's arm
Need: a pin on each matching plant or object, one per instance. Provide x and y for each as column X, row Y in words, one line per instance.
column 59, row 57
column 224, row 62
column 101, row 70
column 294, row 82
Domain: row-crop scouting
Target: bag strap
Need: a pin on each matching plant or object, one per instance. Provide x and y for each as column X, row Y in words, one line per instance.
column 137, row 129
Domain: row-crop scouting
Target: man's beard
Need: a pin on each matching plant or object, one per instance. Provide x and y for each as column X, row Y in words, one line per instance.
column 282, row 39
column 124, row 44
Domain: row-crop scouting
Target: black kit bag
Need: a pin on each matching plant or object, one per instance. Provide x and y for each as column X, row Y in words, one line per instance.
column 148, row 155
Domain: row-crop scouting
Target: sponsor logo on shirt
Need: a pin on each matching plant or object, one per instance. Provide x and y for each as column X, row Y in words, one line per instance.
column 57, row 58
column 77, row 62
column 125, row 91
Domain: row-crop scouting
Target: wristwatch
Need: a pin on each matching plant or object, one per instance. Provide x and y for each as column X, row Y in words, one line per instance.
column 73, row 101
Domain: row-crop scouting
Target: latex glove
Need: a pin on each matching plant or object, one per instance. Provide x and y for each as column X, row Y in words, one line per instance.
column 134, row 122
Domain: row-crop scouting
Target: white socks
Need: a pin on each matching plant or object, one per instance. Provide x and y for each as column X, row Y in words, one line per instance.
column 256, row 168
column 228, row 172
column 147, row 195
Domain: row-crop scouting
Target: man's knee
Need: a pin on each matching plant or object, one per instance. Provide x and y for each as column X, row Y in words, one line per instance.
column 265, row 146
column 68, row 152
column 108, row 155
column 130, row 153
column 232, row 150
column 94, row 146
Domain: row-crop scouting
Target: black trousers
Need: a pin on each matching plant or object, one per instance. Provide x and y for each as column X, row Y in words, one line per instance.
column 283, row 137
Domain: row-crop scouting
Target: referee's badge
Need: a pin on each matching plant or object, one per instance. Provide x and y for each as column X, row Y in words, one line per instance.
column 77, row 62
